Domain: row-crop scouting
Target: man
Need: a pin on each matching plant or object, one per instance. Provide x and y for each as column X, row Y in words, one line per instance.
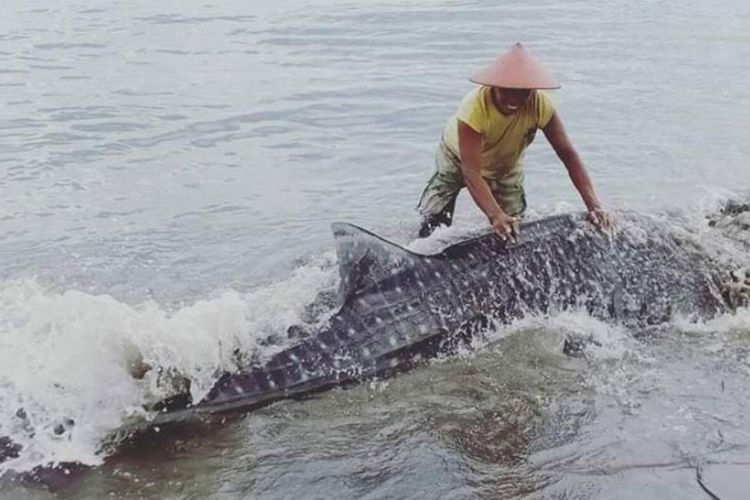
column 484, row 142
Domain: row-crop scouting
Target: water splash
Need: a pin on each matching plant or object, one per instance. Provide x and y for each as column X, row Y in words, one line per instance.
column 74, row 367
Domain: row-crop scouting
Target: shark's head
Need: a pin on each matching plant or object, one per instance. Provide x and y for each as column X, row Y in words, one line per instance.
column 736, row 289
column 733, row 220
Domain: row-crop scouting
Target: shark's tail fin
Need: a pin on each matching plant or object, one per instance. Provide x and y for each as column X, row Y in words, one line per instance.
column 365, row 258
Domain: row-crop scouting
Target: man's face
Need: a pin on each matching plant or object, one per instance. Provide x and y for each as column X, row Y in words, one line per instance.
column 508, row 101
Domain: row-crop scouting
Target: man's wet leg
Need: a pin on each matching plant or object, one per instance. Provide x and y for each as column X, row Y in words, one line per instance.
column 430, row 222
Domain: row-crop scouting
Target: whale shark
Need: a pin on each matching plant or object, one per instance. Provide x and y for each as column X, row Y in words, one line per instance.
column 397, row 308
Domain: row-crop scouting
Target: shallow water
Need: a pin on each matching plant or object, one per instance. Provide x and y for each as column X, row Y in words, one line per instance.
column 169, row 172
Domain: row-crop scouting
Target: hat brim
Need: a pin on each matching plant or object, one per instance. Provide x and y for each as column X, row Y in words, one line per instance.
column 549, row 86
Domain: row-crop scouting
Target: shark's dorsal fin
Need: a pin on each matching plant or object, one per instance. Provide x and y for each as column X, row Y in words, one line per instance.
column 365, row 258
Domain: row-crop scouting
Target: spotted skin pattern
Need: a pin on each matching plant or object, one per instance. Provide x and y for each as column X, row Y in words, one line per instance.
column 398, row 308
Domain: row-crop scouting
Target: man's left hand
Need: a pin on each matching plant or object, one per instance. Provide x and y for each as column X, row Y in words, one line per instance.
column 600, row 218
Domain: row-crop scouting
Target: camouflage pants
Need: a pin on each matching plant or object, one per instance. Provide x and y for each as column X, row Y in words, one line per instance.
column 438, row 199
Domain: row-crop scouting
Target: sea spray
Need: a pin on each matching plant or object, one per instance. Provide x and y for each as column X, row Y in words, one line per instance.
column 74, row 367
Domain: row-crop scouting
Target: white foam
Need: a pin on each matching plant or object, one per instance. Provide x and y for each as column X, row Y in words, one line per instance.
column 602, row 341
column 444, row 236
column 72, row 355
column 728, row 323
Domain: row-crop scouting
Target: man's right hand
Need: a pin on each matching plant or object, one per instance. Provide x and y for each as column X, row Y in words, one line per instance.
column 505, row 226
column 600, row 218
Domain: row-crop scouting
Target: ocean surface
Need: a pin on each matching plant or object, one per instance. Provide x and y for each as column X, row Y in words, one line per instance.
column 168, row 175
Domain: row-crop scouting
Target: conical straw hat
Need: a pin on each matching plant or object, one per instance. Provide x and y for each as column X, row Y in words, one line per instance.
column 515, row 69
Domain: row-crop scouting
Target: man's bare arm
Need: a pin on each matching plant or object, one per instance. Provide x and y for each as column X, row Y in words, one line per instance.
column 558, row 138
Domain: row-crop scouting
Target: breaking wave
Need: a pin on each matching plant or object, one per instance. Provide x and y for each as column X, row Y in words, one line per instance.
column 75, row 366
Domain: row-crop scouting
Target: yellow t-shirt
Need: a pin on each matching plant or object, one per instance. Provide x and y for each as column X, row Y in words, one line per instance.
column 504, row 138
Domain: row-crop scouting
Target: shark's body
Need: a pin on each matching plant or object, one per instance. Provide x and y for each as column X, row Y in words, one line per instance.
column 398, row 307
